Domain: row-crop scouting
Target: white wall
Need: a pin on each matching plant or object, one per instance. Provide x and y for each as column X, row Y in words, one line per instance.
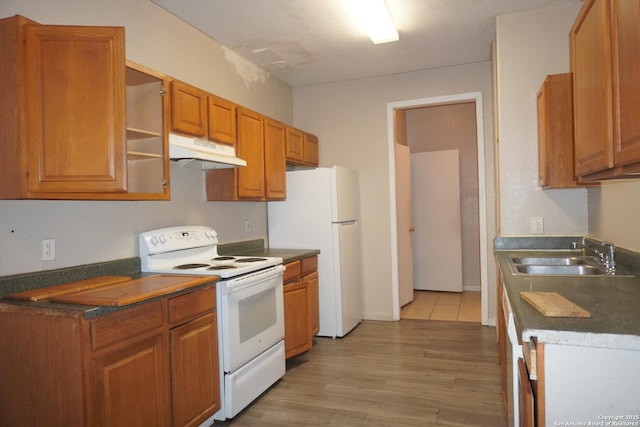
column 614, row 209
column 350, row 120
column 87, row 232
column 529, row 46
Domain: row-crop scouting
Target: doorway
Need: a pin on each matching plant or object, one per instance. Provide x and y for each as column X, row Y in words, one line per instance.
column 475, row 100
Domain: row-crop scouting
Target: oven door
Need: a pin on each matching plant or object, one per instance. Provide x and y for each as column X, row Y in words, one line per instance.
column 251, row 315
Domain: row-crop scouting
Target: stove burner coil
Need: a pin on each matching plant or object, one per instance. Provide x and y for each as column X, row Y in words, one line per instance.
column 251, row 259
column 222, row 267
column 190, row 266
column 223, row 258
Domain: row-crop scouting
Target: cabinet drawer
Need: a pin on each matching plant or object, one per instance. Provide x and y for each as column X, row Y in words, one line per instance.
column 292, row 271
column 188, row 306
column 125, row 324
column 309, row 265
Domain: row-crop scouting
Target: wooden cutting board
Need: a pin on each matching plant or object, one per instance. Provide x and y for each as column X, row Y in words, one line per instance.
column 67, row 288
column 135, row 290
column 552, row 304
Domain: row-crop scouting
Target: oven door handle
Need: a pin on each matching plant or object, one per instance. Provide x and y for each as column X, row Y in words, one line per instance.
column 253, row 279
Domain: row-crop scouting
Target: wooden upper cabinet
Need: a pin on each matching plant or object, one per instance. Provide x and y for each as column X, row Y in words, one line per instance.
column 605, row 41
column 626, row 93
column 310, row 149
column 244, row 183
column 274, row 159
column 555, row 133
column 79, row 122
column 188, row 109
column 301, row 147
column 251, row 183
column 222, row 120
column 62, row 109
column 201, row 114
column 295, row 144
column 593, row 96
column 75, row 106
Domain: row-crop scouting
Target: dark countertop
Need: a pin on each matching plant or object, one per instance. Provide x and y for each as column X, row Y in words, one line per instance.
column 257, row 248
column 124, row 267
column 614, row 302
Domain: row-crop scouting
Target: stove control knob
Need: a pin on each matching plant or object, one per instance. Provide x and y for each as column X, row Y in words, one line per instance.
column 162, row 238
column 154, row 240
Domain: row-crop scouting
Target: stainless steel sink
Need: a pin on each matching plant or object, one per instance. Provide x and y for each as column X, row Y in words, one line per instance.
column 568, row 261
column 573, row 270
column 562, row 266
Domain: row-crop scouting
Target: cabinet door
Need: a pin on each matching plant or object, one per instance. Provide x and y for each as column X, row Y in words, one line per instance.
column 555, row 133
column 222, row 120
column 188, row 109
column 526, row 399
column 194, row 371
column 501, row 330
column 251, row 148
column 297, row 319
column 129, row 386
column 75, row 109
column 310, row 149
column 626, row 54
column 314, row 301
column 592, row 83
column 274, row 161
column 295, row 144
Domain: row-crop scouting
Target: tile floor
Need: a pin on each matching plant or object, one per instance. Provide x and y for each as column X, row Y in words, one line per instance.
column 430, row 305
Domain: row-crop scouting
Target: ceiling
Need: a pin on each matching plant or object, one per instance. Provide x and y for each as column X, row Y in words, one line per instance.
column 310, row 42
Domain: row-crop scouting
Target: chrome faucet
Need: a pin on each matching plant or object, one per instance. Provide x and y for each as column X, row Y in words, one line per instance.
column 608, row 258
column 606, row 255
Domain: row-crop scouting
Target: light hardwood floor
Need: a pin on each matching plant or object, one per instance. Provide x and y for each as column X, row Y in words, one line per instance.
column 430, row 305
column 396, row 374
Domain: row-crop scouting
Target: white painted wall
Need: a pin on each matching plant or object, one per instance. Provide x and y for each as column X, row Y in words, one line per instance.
column 350, row 120
column 87, row 232
column 614, row 209
column 529, row 46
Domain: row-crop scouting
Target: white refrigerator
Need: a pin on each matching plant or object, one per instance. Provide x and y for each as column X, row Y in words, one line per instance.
column 322, row 211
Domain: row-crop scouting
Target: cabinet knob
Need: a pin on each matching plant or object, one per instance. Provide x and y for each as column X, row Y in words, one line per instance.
column 412, row 229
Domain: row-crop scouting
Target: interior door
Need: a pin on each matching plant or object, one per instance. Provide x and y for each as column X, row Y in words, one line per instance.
column 403, row 223
column 437, row 245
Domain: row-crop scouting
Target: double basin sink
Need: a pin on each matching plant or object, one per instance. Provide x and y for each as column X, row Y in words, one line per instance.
column 578, row 265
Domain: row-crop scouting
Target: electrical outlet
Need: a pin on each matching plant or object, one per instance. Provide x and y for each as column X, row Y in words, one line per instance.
column 48, row 249
column 247, row 225
column 537, row 225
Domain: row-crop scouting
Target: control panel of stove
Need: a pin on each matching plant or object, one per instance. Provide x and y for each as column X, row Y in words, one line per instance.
column 177, row 238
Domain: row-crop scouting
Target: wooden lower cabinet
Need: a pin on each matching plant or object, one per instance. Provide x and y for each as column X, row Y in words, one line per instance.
column 314, row 298
column 128, row 385
column 297, row 319
column 155, row 364
column 301, row 305
column 194, row 357
column 526, row 400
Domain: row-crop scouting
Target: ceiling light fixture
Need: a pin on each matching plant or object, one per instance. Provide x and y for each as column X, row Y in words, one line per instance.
column 375, row 19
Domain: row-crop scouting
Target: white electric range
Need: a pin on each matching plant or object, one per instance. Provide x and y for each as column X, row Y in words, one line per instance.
column 250, row 308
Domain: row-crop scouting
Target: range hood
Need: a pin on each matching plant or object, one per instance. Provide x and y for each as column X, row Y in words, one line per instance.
column 184, row 150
